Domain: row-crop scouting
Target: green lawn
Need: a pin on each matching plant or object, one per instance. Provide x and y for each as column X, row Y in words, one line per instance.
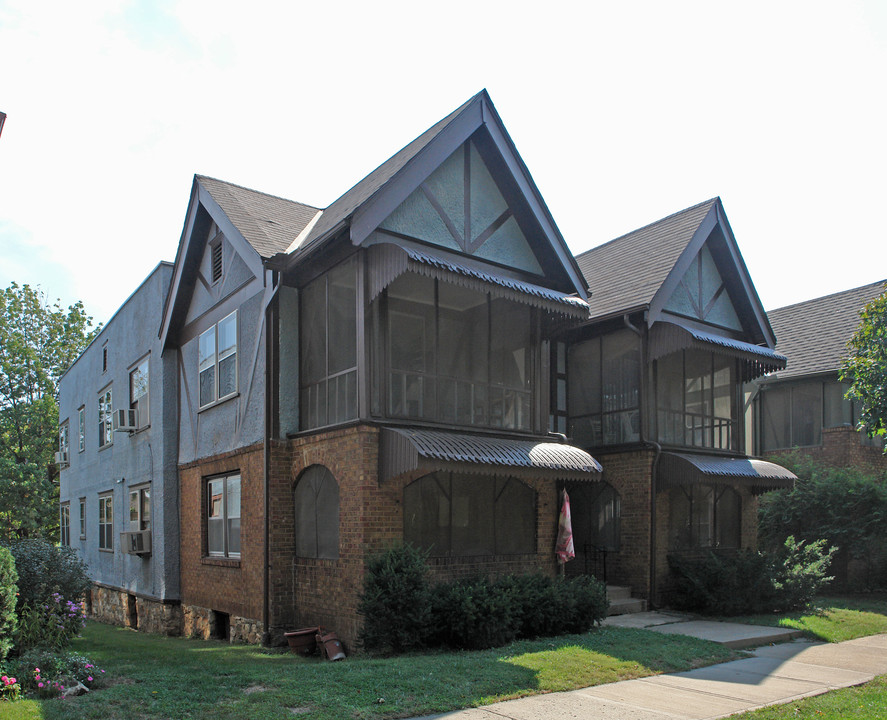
column 832, row 619
column 867, row 701
column 148, row 676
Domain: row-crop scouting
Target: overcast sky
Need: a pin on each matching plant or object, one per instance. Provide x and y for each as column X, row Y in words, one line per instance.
column 624, row 112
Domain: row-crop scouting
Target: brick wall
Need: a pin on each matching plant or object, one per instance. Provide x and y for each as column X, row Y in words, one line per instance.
column 223, row 585
column 841, row 447
column 307, row 592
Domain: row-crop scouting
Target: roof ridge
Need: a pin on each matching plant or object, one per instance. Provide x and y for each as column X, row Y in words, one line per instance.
column 882, row 283
column 258, row 192
column 649, row 225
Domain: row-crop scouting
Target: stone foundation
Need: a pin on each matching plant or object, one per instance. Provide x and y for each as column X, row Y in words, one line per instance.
column 119, row 607
column 206, row 624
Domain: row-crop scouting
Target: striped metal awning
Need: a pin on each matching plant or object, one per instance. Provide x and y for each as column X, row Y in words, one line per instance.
column 404, row 450
column 693, row 468
column 668, row 337
column 390, row 261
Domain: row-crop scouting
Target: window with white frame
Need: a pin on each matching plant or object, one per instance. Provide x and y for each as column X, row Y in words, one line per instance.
column 82, row 518
column 106, row 522
column 81, row 429
column 217, row 359
column 140, row 508
column 63, row 439
column 138, row 394
column 223, row 516
column 106, row 433
column 65, row 524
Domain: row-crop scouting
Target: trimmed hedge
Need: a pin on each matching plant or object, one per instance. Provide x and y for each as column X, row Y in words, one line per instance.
column 402, row 612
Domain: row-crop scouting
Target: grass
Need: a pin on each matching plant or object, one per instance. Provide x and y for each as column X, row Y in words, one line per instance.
column 832, row 619
column 149, row 676
column 865, row 701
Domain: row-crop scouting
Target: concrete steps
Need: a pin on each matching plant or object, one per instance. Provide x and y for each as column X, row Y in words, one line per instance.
column 621, row 601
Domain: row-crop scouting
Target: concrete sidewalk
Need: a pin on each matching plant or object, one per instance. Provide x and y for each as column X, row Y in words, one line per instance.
column 775, row 674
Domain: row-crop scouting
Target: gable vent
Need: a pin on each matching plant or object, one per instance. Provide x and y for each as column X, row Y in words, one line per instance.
column 217, row 262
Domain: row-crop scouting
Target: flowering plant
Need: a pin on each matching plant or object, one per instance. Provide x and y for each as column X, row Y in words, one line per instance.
column 51, row 624
column 47, row 674
column 9, row 688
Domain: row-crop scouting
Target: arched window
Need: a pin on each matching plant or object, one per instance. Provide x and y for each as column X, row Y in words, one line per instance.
column 463, row 515
column 316, row 499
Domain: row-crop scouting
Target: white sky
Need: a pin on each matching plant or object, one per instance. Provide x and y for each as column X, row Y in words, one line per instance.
column 624, row 112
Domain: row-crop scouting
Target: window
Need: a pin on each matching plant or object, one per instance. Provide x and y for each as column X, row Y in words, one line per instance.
column 140, row 508
column 82, row 518
column 106, row 522
column 217, row 357
column 216, row 260
column 81, row 429
column 604, row 397
column 791, row 415
column 704, row 516
column 223, row 516
column 65, row 524
column 104, row 358
column 696, row 401
column 328, row 348
column 138, row 394
column 317, row 514
column 63, row 439
column 455, row 355
column 462, row 515
column 106, row 411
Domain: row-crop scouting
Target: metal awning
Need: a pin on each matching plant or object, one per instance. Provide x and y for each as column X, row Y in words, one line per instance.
column 691, row 468
column 390, row 261
column 404, row 450
column 668, row 337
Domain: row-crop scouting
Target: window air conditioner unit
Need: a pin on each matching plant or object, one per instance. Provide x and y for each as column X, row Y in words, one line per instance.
column 61, row 459
column 125, row 420
column 136, row 543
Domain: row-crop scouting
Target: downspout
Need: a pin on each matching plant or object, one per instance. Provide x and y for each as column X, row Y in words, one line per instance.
column 654, row 469
column 266, row 499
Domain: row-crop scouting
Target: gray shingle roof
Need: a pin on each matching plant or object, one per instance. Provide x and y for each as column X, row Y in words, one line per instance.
column 267, row 222
column 813, row 335
column 625, row 273
column 342, row 208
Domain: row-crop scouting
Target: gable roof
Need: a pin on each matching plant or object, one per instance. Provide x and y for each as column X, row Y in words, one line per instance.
column 641, row 270
column 813, row 335
column 267, row 222
column 625, row 274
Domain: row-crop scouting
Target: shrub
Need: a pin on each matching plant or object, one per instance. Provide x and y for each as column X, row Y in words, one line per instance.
column 844, row 506
column 396, row 601
column 51, row 624
column 44, row 569
column 8, row 593
column 48, row 673
column 748, row 581
column 474, row 614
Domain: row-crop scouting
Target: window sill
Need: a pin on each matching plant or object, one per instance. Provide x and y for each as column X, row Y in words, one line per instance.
column 216, row 403
column 106, row 446
column 107, row 550
column 220, row 561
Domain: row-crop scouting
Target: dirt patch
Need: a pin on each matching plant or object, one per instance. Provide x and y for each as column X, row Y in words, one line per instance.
column 255, row 688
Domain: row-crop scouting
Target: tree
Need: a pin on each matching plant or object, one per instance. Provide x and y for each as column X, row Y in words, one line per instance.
column 866, row 367
column 38, row 342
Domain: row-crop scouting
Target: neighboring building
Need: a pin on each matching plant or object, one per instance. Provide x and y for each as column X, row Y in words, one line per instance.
column 651, row 384
column 117, row 451
column 388, row 370
column 804, row 406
